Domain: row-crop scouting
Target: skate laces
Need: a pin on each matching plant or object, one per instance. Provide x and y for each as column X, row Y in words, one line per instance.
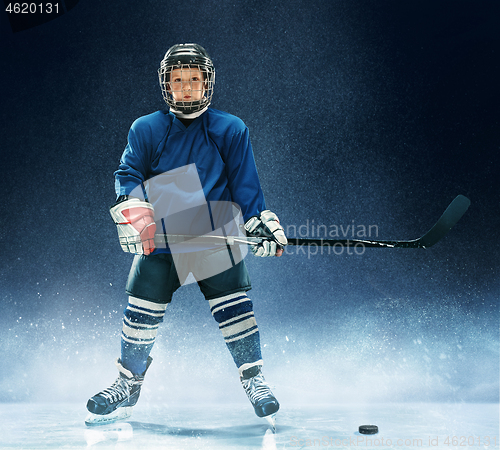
column 118, row 390
column 256, row 388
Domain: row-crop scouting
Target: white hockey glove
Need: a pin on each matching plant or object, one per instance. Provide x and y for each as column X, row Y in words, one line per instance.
column 267, row 225
column 136, row 226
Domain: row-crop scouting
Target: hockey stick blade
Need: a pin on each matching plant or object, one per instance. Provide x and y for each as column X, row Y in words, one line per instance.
column 449, row 218
column 446, row 222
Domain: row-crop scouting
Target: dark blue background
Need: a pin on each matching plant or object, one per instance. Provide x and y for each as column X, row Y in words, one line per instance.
column 372, row 113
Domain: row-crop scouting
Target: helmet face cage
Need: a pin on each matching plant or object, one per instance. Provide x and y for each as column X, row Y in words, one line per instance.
column 179, row 76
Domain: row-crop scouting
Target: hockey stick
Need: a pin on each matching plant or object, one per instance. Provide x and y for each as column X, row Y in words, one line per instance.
column 449, row 218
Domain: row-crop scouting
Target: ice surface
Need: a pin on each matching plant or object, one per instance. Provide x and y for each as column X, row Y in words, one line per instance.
column 401, row 426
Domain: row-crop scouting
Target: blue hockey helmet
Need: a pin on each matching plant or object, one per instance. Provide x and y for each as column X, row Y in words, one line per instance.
column 186, row 57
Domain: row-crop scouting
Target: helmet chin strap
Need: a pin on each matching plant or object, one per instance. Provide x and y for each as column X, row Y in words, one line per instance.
column 193, row 115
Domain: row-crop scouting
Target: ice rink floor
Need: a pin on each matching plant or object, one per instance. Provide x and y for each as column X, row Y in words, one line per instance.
column 401, row 426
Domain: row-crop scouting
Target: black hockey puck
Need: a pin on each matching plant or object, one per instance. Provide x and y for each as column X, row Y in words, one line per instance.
column 368, row 429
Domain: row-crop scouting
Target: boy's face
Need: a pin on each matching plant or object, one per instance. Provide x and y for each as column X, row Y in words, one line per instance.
column 186, row 84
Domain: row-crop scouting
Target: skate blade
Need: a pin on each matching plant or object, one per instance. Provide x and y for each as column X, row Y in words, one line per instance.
column 120, row 414
column 271, row 420
column 115, row 432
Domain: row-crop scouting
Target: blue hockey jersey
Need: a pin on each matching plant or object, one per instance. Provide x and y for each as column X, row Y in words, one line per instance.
column 216, row 143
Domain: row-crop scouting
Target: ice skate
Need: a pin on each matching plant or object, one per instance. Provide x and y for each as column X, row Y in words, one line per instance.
column 116, row 402
column 260, row 395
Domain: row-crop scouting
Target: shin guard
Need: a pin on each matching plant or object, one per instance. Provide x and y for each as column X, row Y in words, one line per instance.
column 235, row 316
column 140, row 325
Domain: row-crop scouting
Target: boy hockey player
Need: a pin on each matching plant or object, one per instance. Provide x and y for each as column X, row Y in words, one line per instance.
column 212, row 149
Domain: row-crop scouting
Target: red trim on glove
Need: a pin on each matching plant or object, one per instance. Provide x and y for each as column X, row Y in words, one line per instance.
column 142, row 219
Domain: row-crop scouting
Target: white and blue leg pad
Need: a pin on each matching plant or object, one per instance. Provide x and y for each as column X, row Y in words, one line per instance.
column 235, row 316
column 140, row 326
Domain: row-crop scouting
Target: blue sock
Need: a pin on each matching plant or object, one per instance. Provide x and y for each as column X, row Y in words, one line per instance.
column 235, row 316
column 140, row 325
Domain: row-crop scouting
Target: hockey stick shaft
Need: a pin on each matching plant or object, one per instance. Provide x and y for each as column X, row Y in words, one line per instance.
column 448, row 219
